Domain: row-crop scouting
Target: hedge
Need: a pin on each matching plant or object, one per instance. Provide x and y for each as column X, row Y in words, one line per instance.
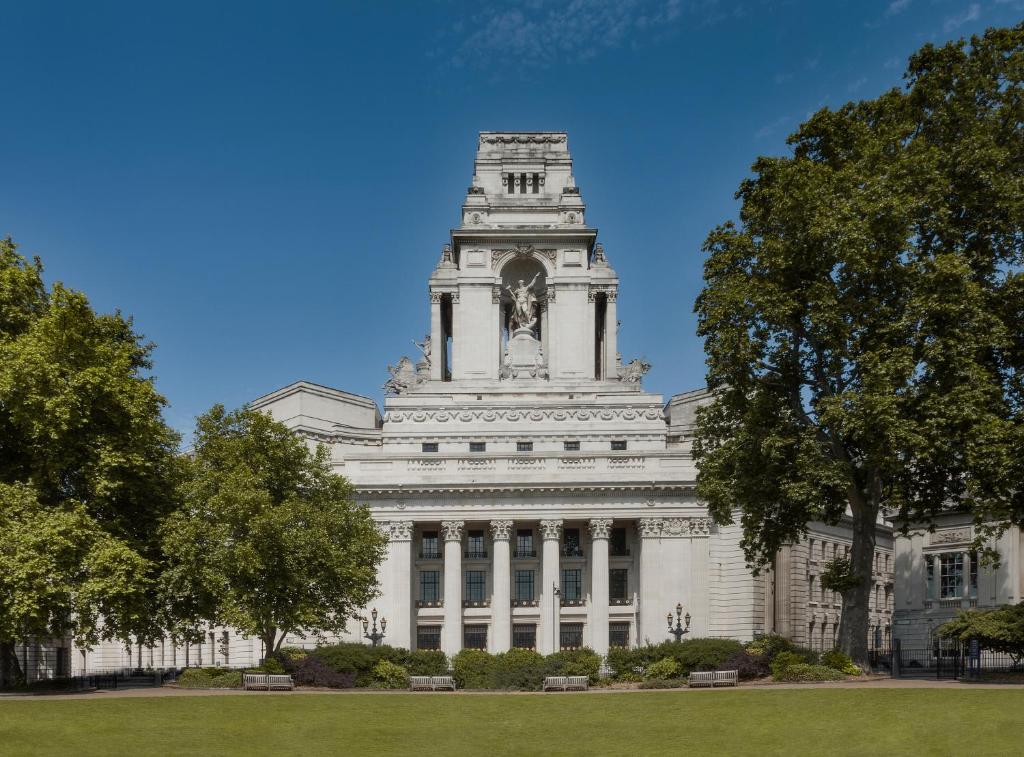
column 210, row 678
column 689, row 655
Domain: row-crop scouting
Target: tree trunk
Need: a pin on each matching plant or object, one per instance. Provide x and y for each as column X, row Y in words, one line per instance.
column 269, row 639
column 11, row 673
column 855, row 620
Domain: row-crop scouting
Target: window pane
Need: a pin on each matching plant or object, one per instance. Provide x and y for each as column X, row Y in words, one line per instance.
column 571, row 635
column 618, row 634
column 428, row 637
column 429, row 580
column 475, row 545
column 571, row 446
column 571, row 543
column 478, row 446
column 572, row 584
column 618, row 445
column 524, row 636
column 618, row 578
column 430, row 446
column 524, row 543
column 430, row 546
column 476, row 585
column 617, row 543
column 524, row 585
column 524, row 446
column 474, row 637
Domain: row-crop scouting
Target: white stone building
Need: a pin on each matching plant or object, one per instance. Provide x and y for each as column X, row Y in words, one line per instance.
column 534, row 494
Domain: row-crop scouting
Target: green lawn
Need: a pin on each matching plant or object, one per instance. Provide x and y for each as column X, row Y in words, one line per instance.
column 807, row 721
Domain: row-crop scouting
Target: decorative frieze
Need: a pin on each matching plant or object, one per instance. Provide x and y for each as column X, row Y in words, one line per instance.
column 522, row 251
column 673, row 527
column 522, row 139
column 600, row 528
column 501, row 530
column 551, row 529
column 952, row 536
column 452, row 530
column 516, row 415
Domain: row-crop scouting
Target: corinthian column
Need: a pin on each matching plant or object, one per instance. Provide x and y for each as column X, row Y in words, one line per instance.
column 550, row 606
column 651, row 613
column 501, row 595
column 396, row 578
column 600, row 529
column 451, row 637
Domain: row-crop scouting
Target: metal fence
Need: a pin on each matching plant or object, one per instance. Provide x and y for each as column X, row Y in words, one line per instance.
column 946, row 659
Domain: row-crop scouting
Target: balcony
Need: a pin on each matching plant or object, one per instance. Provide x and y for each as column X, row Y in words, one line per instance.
column 525, row 602
column 620, row 601
column 619, row 552
column 431, row 554
column 476, row 603
column 524, row 554
column 475, row 554
column 571, row 550
column 430, row 603
column 573, row 602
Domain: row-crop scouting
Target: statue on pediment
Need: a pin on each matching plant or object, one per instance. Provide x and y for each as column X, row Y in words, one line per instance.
column 403, row 376
column 424, row 348
column 632, row 372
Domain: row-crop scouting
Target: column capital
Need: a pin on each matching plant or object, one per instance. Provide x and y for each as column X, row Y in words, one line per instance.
column 501, row 530
column 395, row 530
column 452, row 530
column 649, row 528
column 551, row 529
column 600, row 528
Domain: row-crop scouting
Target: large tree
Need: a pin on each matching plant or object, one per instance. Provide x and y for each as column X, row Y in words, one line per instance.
column 267, row 539
column 863, row 320
column 85, row 456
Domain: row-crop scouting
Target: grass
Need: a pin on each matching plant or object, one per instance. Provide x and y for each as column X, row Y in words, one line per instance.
column 791, row 722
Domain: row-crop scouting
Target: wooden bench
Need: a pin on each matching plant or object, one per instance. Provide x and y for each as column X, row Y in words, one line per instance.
column 726, row 677
column 701, row 678
column 280, row 683
column 431, row 683
column 255, row 682
column 566, row 683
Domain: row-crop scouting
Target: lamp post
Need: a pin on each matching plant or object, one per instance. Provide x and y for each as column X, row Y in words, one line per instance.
column 376, row 636
column 679, row 631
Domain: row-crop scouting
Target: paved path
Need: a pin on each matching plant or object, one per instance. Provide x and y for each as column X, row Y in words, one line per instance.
column 172, row 691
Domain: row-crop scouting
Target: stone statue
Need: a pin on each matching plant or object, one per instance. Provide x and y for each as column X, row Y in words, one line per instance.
column 632, row 372
column 403, row 376
column 424, row 348
column 525, row 301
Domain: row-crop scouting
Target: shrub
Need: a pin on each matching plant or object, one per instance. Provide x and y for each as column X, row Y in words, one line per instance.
column 273, row 666
column 784, row 660
column 690, row 655
column 772, row 644
column 576, row 662
column 624, row 663
column 837, row 660
column 802, row 671
column 473, row 669
column 519, row 669
column 663, row 683
column 359, row 659
column 231, row 679
column 389, row 675
column 312, row 671
column 194, row 678
column 286, row 654
column 210, row 678
column 746, row 665
column 662, row 669
column 427, row 662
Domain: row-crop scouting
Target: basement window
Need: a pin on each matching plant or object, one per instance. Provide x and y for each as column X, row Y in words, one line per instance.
column 478, row 446
column 430, row 446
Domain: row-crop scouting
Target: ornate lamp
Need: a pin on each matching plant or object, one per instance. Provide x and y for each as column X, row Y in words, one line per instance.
column 375, row 636
column 679, row 631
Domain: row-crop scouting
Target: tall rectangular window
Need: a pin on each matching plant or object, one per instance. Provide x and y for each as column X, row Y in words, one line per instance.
column 536, row 182
column 476, row 585
column 618, row 581
column 973, row 585
column 951, row 578
column 571, row 635
column 524, row 542
column 524, row 636
column 571, row 543
column 430, row 546
column 430, row 581
column 522, row 183
column 572, row 584
column 511, row 183
column 475, row 547
column 618, row 634
column 524, row 586
column 617, row 543
column 474, row 637
column 428, row 637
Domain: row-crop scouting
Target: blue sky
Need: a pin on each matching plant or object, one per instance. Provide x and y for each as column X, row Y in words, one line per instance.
column 265, row 187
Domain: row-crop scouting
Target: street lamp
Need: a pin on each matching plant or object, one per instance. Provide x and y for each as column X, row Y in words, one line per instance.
column 376, row 636
column 679, row 631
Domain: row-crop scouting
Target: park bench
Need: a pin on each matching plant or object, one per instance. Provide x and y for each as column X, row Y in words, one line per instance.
column 701, row 678
column 566, row 683
column 431, row 683
column 280, row 683
column 726, row 678
column 255, row 682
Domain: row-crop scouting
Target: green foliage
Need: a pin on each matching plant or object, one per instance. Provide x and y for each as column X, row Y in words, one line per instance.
column 783, row 660
column 836, row 660
column 388, row 675
column 576, row 662
column 268, row 540
column 359, row 659
column 770, row 645
column 473, row 669
column 1000, row 629
column 802, row 672
column 689, row 655
column 291, row 653
column 273, row 666
column 838, row 576
column 663, row 683
column 662, row 669
column 210, row 678
column 427, row 662
column 519, row 670
column 862, row 321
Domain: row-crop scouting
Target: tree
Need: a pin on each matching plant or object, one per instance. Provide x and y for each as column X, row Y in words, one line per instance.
column 267, row 539
column 81, row 427
column 1000, row 629
column 863, row 321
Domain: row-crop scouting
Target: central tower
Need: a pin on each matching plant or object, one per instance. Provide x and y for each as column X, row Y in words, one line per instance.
column 523, row 295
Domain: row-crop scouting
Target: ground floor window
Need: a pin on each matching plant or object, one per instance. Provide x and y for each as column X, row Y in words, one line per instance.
column 428, row 637
column 571, row 635
column 474, row 637
column 524, row 636
column 618, row 634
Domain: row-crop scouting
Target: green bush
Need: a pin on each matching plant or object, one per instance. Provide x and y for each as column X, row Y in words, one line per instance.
column 801, row 671
column 194, row 678
column 576, row 662
column 663, row 683
column 427, row 662
column 519, row 670
column 359, row 659
column 662, row 669
column 291, row 653
column 783, row 660
column 837, row 660
column 473, row 669
column 210, row 678
column 389, row 675
column 690, row 655
column 231, row 679
column 273, row 666
column 772, row 644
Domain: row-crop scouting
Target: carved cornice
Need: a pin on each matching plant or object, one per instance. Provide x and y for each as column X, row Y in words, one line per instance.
column 515, row 415
column 610, row 292
column 501, row 530
column 951, row 536
column 649, row 528
column 600, row 528
column 673, row 527
column 522, row 251
column 474, row 489
column 551, row 529
column 452, row 530
column 522, row 139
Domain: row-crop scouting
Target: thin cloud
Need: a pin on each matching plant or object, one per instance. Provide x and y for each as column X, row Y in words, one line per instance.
column 896, row 7
column 856, row 85
column 973, row 13
column 768, row 129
